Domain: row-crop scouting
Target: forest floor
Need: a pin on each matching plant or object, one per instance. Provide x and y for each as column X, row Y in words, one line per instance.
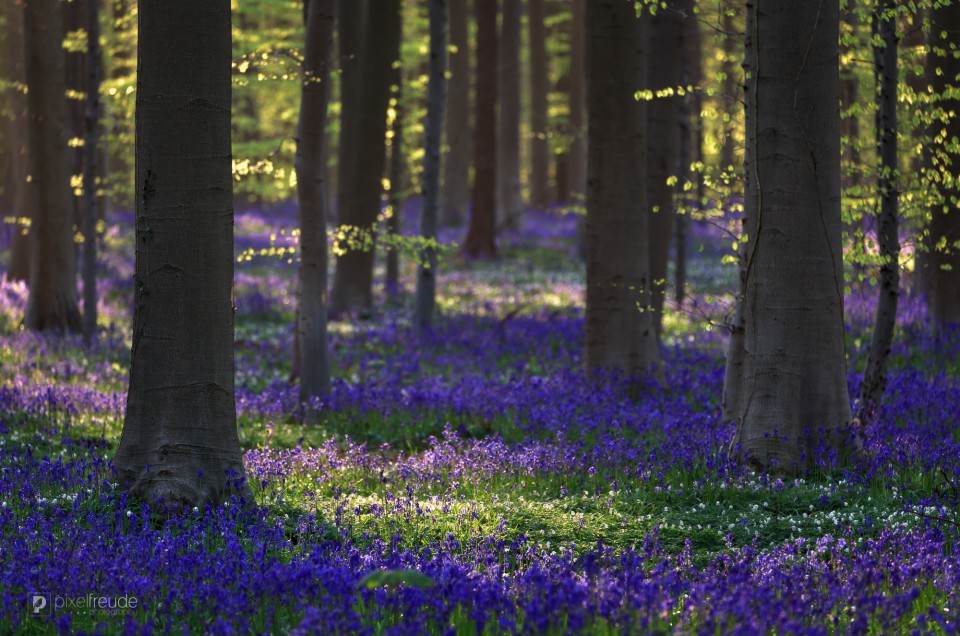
column 493, row 487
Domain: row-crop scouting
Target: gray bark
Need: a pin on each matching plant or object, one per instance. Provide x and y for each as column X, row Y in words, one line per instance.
column 793, row 385
column 91, row 145
column 436, row 98
column 312, row 201
column 179, row 446
column 52, row 303
column 509, row 201
column 456, row 161
column 620, row 332
column 539, row 85
column 350, row 32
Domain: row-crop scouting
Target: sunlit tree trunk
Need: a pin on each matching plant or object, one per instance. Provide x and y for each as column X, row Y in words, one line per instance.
column 509, row 202
column 539, row 84
column 436, row 97
column 620, row 331
column 91, row 144
column 793, row 383
column 179, row 446
column 23, row 195
column 481, row 234
column 456, row 161
column 312, row 201
column 52, row 303
column 360, row 198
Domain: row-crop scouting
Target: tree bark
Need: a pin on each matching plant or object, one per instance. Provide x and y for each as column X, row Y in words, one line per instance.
column 945, row 224
column 665, row 73
column 179, row 447
column 509, row 201
column 360, row 201
column 351, row 17
column 398, row 187
column 689, row 115
column 793, row 398
column 436, row 98
column 52, row 303
column 481, row 235
column 539, row 121
column 456, row 166
column 577, row 156
column 23, row 195
column 91, row 146
column 620, row 332
column 312, row 201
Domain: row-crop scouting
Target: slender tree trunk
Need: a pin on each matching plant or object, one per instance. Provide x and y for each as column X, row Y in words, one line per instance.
column 539, row 121
column 509, row 202
column 398, row 186
column 436, row 98
column 456, row 161
column 481, row 235
column 885, row 62
column 620, row 331
column 360, row 202
column 179, row 446
column 23, row 195
column 52, row 303
column 91, row 145
column 577, row 159
column 312, row 200
column 689, row 116
column 794, row 397
column 352, row 15
column 665, row 73
column 74, row 19
column 945, row 224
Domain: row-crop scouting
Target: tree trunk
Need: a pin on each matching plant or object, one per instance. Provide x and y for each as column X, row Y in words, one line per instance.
column 945, row 224
column 23, row 195
column 689, row 115
column 52, row 303
column 456, row 165
column 539, row 85
column 620, row 332
column 481, row 235
column 351, row 17
column 794, row 397
column 665, row 72
column 312, row 201
column 398, row 188
column 360, row 201
column 509, row 201
column 91, row 147
column 577, row 157
column 179, row 446
column 74, row 19
column 436, row 97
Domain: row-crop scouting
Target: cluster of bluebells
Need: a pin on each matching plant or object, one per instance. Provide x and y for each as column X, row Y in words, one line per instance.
column 500, row 388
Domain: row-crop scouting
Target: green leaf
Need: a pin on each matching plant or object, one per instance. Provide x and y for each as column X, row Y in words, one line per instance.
column 395, row 578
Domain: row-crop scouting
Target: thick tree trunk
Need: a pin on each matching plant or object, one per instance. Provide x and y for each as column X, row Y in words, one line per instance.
column 351, row 17
column 665, row 74
column 360, row 201
column 52, row 303
column 436, row 97
column 456, row 161
column 311, row 198
column 91, row 148
column 539, row 85
column 885, row 62
column 179, row 446
column 945, row 225
column 620, row 331
column 481, row 235
column 794, row 397
column 509, row 201
column 23, row 195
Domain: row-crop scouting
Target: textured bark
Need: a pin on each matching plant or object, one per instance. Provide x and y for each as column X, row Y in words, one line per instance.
column 360, row 196
column 539, row 85
column 456, row 161
column 481, row 235
column 351, row 17
column 665, row 73
column 620, row 332
column 179, row 446
column 91, row 144
column 794, row 390
column 436, row 97
column 23, row 195
column 312, row 201
column 52, row 303
column 509, row 202
column 945, row 224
